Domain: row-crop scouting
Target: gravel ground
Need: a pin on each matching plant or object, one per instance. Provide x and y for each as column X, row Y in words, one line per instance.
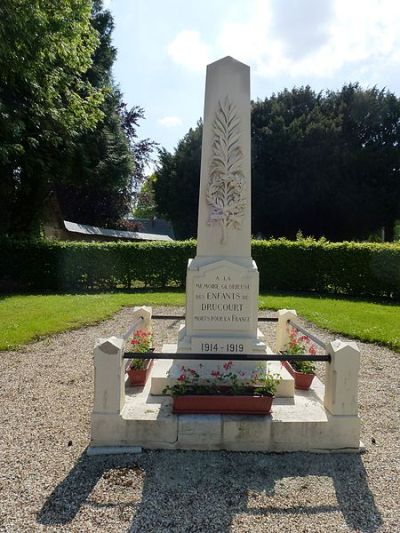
column 47, row 483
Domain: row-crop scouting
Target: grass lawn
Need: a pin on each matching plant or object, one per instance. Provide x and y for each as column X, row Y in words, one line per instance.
column 29, row 317
column 364, row 320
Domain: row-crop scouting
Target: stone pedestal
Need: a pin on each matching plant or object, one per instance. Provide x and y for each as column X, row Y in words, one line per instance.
column 221, row 309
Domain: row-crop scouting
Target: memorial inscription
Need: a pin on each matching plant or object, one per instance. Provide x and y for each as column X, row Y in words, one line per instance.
column 221, row 300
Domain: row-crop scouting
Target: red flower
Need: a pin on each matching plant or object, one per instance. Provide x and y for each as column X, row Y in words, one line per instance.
column 227, row 365
column 182, row 377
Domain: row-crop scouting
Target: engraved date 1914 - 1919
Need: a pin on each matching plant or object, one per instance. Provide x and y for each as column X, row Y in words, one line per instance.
column 215, row 347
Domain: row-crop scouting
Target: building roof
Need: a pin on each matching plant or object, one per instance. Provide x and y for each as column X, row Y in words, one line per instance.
column 113, row 233
column 154, row 225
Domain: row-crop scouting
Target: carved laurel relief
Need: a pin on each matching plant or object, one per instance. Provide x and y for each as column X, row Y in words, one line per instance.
column 226, row 192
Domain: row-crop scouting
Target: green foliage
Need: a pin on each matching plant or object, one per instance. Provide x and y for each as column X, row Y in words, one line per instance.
column 224, row 381
column 358, row 269
column 145, row 203
column 96, row 183
column 300, row 345
column 41, row 265
column 63, row 125
column 100, row 171
column 177, row 182
column 45, row 102
column 325, row 163
column 141, row 342
column 363, row 269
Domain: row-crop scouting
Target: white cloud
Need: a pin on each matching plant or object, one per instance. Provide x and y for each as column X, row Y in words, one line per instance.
column 170, row 122
column 303, row 39
column 299, row 38
column 107, row 4
column 188, row 50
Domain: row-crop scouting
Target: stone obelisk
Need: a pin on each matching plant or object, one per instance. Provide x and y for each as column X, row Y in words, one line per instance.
column 222, row 280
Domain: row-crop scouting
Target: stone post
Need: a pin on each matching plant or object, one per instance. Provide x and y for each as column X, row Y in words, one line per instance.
column 341, row 381
column 145, row 313
column 282, row 330
column 109, row 376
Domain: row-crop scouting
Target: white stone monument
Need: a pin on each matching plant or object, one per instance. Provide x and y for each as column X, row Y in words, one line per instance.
column 221, row 318
column 222, row 280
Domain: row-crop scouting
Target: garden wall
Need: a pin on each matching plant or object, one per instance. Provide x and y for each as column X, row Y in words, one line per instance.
column 357, row 269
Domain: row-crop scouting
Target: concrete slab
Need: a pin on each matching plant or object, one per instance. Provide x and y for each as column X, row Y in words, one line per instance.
column 299, row 423
column 200, row 432
column 113, row 450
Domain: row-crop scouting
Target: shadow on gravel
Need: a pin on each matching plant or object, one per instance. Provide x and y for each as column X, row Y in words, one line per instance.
column 205, row 491
column 67, row 498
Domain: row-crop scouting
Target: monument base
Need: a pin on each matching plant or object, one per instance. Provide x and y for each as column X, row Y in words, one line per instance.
column 167, row 371
column 301, row 423
column 220, row 343
column 221, row 307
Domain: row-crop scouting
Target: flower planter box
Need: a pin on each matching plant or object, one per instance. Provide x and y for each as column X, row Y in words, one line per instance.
column 220, row 404
column 139, row 377
column 301, row 381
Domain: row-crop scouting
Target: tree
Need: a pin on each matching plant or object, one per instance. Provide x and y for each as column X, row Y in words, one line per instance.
column 371, row 126
column 177, row 181
column 146, row 203
column 102, row 170
column 44, row 101
column 327, row 164
column 95, row 184
column 63, row 124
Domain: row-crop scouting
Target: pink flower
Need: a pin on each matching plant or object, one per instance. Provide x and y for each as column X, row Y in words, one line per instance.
column 227, row 365
column 312, row 350
column 216, row 373
column 182, row 377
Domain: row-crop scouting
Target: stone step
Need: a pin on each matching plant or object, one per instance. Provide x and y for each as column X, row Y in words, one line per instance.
column 166, row 371
column 300, row 423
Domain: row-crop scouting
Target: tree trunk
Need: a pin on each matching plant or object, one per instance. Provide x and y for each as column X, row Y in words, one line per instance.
column 389, row 232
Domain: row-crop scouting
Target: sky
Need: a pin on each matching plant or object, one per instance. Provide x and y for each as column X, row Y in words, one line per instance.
column 164, row 46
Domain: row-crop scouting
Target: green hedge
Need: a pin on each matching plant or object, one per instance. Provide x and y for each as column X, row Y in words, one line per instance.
column 361, row 269
column 357, row 269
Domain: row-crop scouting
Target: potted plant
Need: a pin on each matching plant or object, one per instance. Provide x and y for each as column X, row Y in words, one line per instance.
column 225, row 392
column 139, row 369
column 303, row 372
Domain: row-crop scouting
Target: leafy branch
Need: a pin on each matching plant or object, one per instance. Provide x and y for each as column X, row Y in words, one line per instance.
column 226, row 192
